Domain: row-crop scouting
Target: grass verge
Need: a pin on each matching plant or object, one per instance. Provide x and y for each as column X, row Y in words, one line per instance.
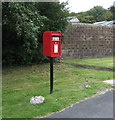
column 99, row 62
column 21, row 83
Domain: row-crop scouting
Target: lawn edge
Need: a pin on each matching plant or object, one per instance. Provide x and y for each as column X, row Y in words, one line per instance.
column 97, row 94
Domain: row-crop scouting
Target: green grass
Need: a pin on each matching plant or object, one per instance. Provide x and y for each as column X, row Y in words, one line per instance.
column 100, row 62
column 21, row 83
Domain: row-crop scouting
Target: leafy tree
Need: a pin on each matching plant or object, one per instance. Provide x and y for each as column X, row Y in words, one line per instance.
column 96, row 14
column 81, row 16
column 23, row 25
column 107, row 16
column 56, row 14
column 112, row 10
column 72, row 14
column 88, row 19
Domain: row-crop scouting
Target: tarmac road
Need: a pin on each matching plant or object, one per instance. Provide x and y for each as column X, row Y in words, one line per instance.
column 100, row 106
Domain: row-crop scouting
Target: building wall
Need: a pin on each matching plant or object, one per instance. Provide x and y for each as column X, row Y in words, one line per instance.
column 87, row 40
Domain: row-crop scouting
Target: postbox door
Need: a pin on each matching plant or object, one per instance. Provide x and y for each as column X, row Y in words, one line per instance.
column 56, row 49
column 56, row 46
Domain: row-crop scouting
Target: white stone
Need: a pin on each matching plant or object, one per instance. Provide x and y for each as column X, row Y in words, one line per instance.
column 86, row 86
column 36, row 100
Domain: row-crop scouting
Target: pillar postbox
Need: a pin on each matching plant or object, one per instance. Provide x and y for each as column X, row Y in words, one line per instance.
column 52, row 43
column 51, row 48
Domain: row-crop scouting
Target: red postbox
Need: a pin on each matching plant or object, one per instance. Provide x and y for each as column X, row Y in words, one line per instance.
column 52, row 43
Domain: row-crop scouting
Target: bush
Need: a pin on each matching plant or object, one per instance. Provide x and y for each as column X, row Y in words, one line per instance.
column 23, row 26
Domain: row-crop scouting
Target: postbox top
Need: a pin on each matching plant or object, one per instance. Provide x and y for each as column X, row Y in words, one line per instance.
column 53, row 33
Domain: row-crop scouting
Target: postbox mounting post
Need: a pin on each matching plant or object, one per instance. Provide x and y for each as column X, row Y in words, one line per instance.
column 52, row 48
column 51, row 75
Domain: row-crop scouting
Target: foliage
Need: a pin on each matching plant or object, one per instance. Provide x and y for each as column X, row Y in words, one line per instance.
column 57, row 15
column 88, row 19
column 23, row 26
column 112, row 10
column 96, row 14
column 107, row 16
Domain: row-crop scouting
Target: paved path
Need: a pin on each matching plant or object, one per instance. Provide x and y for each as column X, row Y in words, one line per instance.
column 100, row 106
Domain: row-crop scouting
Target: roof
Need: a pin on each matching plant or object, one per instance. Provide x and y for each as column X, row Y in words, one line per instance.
column 73, row 20
column 108, row 23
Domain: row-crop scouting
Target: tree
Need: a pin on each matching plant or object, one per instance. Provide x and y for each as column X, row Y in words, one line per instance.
column 82, row 16
column 97, row 12
column 72, row 14
column 88, row 19
column 107, row 16
column 23, row 25
column 112, row 10
column 56, row 14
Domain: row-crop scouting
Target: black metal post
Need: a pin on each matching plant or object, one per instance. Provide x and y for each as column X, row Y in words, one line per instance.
column 51, row 75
